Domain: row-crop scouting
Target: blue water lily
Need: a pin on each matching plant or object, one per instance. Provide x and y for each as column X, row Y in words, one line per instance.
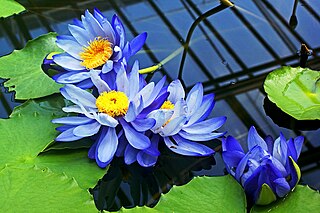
column 94, row 43
column 268, row 170
column 116, row 116
column 183, row 123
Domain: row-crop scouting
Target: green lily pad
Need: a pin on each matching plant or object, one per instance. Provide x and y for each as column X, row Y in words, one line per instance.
column 202, row 194
column 40, row 190
column 295, row 91
column 23, row 69
column 302, row 199
column 10, row 7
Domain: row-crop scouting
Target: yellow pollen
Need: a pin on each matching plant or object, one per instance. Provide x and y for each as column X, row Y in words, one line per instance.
column 113, row 103
column 96, row 54
column 167, row 105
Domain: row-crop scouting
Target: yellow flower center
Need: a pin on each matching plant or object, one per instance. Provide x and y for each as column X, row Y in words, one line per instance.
column 96, row 54
column 113, row 103
column 167, row 105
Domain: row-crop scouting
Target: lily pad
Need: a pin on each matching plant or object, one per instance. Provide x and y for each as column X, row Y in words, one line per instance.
column 40, row 190
column 295, row 91
column 202, row 194
column 302, row 199
column 10, row 7
column 23, row 69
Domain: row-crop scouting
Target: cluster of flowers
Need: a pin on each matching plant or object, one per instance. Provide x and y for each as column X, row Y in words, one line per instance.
column 128, row 117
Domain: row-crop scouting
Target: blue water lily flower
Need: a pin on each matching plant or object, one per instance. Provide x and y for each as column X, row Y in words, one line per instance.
column 268, row 170
column 116, row 115
column 182, row 122
column 94, row 43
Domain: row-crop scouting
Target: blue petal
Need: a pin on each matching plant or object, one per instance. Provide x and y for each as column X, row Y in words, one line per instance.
column 134, row 80
column 146, row 160
column 72, row 120
column 119, row 31
column 161, row 117
column 106, row 147
column 292, row 149
column 176, row 91
column 130, row 155
column 174, row 126
column 203, row 111
column 107, row 67
column 156, row 104
column 146, row 93
column 269, row 141
column 85, row 84
column 255, row 139
column 122, row 145
column 298, row 142
column 77, row 95
column 232, row 158
column 280, row 149
column 88, row 28
column 101, row 85
column 67, row 136
column 106, row 120
column 201, row 137
column 136, row 139
column 282, row 187
column 72, row 77
column 244, row 161
column 122, row 81
column 137, row 43
column 142, row 125
column 105, row 25
column 94, row 25
column 67, row 61
column 206, row 126
column 194, row 98
column 131, row 113
column 69, row 45
column 80, row 34
column 87, row 129
column 231, row 144
column 186, row 147
column 92, row 151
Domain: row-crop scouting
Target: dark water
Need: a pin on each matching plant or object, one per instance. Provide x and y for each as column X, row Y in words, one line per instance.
column 231, row 52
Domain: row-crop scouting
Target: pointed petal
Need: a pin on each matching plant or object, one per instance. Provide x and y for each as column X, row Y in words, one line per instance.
column 87, row 129
column 231, row 144
column 194, row 98
column 69, row 45
column 106, row 120
column 80, row 34
column 77, row 95
column 68, row 62
column 176, row 91
column 174, row 126
column 67, row 136
column 106, row 147
column 255, row 139
column 72, row 77
column 142, row 125
column 72, row 120
column 201, row 137
column 136, row 139
column 137, row 43
column 206, row 126
column 101, row 85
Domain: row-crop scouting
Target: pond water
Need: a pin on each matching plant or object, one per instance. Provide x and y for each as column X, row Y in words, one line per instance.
column 230, row 52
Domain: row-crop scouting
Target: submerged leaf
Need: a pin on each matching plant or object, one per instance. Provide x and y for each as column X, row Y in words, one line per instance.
column 10, row 7
column 23, row 69
column 296, row 91
column 202, row 194
column 302, row 199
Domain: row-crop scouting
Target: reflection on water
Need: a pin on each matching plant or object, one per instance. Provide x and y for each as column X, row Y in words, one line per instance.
column 231, row 52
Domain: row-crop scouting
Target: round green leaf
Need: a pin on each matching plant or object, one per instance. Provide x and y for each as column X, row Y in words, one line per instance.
column 28, row 131
column 302, row 199
column 10, row 7
column 40, row 190
column 73, row 163
column 202, row 194
column 295, row 91
column 23, row 69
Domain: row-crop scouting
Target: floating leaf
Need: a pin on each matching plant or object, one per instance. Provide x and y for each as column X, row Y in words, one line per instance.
column 202, row 194
column 10, row 7
column 296, row 91
column 40, row 190
column 23, row 69
column 302, row 199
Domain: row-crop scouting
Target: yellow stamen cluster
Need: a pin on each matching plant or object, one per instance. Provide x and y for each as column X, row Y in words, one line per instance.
column 113, row 103
column 167, row 105
column 96, row 53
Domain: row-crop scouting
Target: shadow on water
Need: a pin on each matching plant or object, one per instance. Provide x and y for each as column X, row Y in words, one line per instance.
column 132, row 185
